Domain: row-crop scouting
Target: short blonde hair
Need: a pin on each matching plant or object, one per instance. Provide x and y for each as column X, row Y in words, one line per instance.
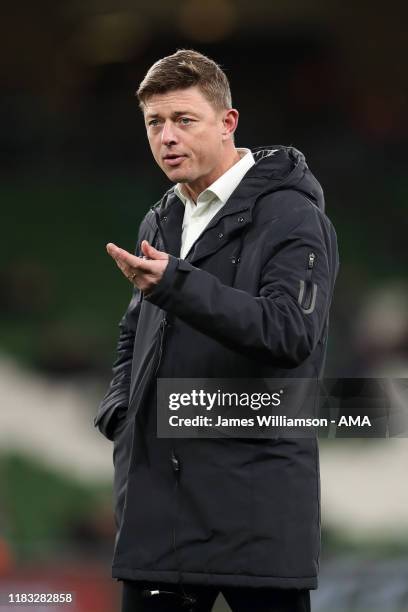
column 187, row 68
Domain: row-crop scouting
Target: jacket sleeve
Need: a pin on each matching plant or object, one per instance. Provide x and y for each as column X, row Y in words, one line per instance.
column 285, row 320
column 115, row 402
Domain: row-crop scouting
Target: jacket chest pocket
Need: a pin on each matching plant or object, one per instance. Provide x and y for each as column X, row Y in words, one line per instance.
column 308, row 288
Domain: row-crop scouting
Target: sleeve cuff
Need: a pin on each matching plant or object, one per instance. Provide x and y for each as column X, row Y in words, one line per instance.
column 172, row 280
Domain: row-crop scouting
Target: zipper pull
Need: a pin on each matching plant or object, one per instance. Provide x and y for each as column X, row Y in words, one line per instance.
column 311, row 260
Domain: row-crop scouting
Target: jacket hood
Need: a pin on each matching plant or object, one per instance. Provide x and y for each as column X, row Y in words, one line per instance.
column 279, row 167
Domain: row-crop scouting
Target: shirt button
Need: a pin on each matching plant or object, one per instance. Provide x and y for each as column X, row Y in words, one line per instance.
column 164, row 219
column 241, row 219
column 220, row 235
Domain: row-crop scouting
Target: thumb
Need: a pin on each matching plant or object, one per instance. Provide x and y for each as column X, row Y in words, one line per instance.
column 151, row 252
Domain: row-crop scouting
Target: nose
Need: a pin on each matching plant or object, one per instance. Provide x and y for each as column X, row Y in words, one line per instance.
column 168, row 135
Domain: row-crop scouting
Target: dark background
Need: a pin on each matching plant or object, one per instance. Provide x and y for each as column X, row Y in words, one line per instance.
column 76, row 172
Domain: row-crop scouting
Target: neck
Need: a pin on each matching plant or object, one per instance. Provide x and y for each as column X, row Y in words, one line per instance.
column 193, row 189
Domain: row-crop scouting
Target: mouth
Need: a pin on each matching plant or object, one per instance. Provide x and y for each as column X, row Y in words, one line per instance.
column 172, row 159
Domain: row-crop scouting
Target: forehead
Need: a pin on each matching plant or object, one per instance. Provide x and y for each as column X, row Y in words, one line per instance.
column 178, row 100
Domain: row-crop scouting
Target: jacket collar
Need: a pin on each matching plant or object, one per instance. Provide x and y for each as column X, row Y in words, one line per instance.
column 275, row 168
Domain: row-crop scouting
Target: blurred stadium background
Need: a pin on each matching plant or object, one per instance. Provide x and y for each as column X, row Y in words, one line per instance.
column 76, row 172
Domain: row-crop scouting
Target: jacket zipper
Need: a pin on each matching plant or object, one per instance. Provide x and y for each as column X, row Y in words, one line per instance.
column 307, row 300
column 174, row 460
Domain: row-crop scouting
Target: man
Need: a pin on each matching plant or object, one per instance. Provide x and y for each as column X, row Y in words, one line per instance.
column 233, row 278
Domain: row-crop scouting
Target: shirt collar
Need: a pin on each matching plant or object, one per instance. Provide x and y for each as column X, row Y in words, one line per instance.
column 222, row 188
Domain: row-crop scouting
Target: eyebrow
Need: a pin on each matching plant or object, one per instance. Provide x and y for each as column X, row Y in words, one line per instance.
column 175, row 114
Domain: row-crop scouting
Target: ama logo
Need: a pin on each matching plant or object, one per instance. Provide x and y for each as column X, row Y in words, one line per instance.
column 358, row 421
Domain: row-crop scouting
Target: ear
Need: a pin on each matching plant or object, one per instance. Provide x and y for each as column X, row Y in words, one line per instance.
column 229, row 122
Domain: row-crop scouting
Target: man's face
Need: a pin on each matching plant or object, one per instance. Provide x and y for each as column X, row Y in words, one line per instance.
column 186, row 134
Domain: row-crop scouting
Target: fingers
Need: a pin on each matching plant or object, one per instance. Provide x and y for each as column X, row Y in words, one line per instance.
column 115, row 252
column 125, row 259
column 137, row 270
column 149, row 251
column 143, row 272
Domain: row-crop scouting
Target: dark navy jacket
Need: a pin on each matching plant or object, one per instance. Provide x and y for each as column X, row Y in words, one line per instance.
column 250, row 300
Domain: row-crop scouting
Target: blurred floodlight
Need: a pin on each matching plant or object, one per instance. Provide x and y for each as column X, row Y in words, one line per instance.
column 208, row 21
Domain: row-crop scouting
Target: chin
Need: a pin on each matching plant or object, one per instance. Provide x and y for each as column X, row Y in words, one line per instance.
column 177, row 177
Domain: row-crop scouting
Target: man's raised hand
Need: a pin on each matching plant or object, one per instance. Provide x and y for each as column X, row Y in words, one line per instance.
column 144, row 272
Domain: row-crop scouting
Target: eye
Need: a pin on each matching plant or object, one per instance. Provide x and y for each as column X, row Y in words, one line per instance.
column 153, row 122
column 185, row 120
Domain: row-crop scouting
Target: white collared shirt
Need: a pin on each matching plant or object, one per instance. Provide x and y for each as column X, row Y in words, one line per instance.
column 211, row 200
